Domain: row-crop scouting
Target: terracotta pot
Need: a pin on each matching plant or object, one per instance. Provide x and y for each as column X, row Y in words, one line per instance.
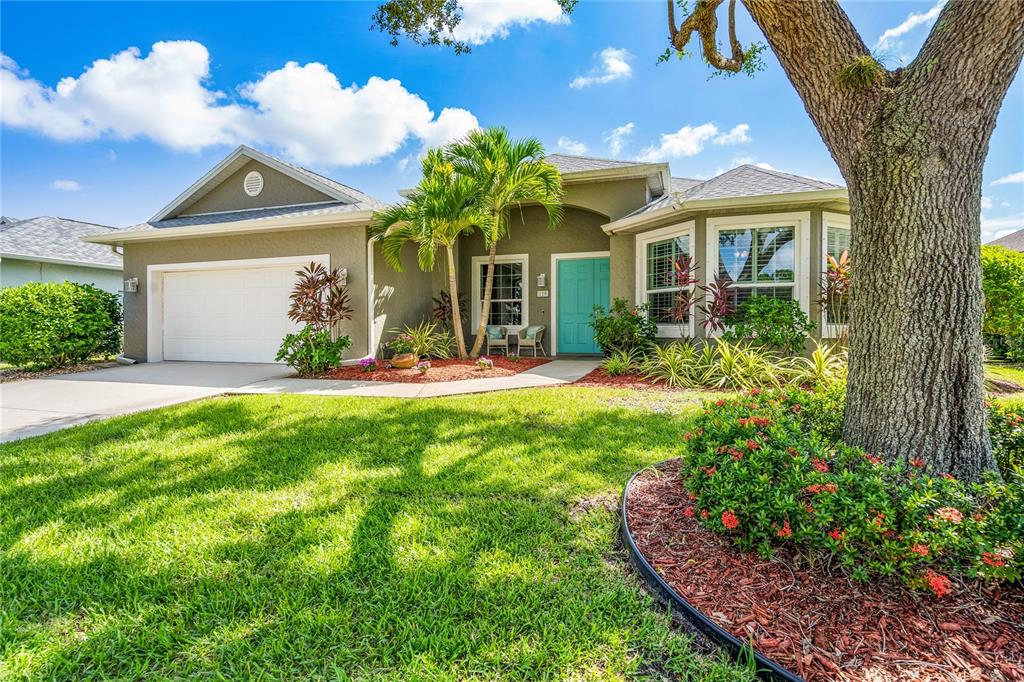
column 404, row 360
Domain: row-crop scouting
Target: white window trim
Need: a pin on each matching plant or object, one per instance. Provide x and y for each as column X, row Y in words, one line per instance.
column 801, row 223
column 478, row 293
column 155, row 289
column 665, row 331
column 555, row 259
column 842, row 222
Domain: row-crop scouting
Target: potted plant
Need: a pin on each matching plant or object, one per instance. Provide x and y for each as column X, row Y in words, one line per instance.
column 402, row 348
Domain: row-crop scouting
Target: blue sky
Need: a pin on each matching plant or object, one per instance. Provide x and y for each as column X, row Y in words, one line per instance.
column 155, row 94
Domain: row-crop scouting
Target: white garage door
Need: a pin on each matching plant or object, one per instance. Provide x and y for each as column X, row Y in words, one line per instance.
column 237, row 315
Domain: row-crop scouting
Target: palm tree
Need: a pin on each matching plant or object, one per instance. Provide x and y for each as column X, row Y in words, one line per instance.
column 508, row 174
column 442, row 207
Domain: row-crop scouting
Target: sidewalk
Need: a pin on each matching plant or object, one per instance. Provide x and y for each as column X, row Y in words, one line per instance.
column 552, row 373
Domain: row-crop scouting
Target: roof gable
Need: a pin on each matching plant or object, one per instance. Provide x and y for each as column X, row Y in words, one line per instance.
column 285, row 184
column 748, row 180
column 1013, row 241
column 51, row 238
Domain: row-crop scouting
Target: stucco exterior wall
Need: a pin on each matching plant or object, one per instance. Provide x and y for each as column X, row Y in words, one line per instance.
column 15, row 272
column 278, row 190
column 400, row 298
column 580, row 231
column 346, row 246
column 613, row 199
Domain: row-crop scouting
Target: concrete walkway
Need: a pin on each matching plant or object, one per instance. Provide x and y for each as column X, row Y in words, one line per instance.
column 552, row 373
column 36, row 406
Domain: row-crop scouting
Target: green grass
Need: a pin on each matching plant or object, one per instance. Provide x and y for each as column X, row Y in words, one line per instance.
column 281, row 537
column 1005, row 372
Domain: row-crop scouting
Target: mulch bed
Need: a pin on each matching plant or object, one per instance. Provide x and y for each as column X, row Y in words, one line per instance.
column 10, row 374
column 599, row 377
column 815, row 620
column 440, row 370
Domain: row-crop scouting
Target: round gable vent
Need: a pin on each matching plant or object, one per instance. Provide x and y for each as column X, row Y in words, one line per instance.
column 253, row 183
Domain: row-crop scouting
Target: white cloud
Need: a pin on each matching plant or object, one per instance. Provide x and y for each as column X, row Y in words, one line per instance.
column 1011, row 179
column 571, row 146
column 889, row 40
column 616, row 139
column 484, row 20
column 735, row 136
column 742, row 160
column 690, row 141
column 1004, row 204
column 164, row 96
column 994, row 228
column 66, row 185
column 986, row 203
column 614, row 66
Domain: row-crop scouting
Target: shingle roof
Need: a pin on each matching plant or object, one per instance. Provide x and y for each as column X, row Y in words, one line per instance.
column 5, row 220
column 60, row 238
column 748, row 180
column 741, row 181
column 1013, row 241
column 306, row 210
column 578, row 164
column 360, row 196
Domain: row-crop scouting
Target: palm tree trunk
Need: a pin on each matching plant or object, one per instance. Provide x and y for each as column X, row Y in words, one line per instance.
column 481, row 329
column 460, row 338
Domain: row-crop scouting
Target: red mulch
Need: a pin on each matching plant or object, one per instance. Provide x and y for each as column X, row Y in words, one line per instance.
column 440, row 370
column 599, row 377
column 814, row 619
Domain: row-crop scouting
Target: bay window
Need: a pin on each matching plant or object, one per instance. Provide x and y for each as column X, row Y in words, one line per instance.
column 835, row 242
column 668, row 300
column 758, row 261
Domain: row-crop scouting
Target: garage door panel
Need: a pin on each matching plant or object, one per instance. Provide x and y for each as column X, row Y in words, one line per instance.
column 236, row 315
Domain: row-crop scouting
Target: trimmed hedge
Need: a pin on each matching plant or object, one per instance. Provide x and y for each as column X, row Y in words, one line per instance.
column 1003, row 285
column 53, row 325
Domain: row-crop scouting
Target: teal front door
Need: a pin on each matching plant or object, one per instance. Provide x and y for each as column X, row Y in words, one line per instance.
column 582, row 284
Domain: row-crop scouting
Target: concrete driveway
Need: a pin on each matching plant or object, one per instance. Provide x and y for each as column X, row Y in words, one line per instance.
column 38, row 406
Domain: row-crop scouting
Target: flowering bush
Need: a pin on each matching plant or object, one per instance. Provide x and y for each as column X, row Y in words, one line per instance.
column 422, row 366
column 401, row 344
column 484, row 362
column 764, row 469
column 368, row 364
column 624, row 327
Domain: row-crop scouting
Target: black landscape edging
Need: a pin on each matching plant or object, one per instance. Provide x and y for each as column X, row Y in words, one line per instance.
column 766, row 667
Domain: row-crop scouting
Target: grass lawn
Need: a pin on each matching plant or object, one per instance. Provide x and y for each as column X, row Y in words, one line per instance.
column 1005, row 372
column 291, row 536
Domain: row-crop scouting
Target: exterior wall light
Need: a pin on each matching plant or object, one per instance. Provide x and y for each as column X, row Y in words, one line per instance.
column 131, row 285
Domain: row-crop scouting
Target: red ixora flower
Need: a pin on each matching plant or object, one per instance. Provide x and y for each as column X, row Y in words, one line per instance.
column 719, row 403
column 785, row 531
column 949, row 514
column 688, row 512
column 919, row 549
column 874, row 459
column 818, row 488
column 755, row 391
column 836, row 534
column 993, row 559
column 704, row 513
column 796, row 408
column 688, row 437
column 938, row 583
column 819, row 464
column 690, row 496
column 949, row 477
column 729, row 520
column 753, row 445
column 710, row 471
column 918, row 462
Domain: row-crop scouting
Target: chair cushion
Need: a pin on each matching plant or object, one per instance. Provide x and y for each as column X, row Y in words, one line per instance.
column 495, row 332
column 533, row 331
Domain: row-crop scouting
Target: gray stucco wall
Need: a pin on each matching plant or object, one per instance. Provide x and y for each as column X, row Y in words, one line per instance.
column 613, row 199
column 15, row 272
column 345, row 245
column 580, row 231
column 401, row 298
column 278, row 190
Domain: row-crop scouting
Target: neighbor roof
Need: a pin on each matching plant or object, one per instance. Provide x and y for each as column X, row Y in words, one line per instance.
column 1013, row 241
column 48, row 238
column 243, row 154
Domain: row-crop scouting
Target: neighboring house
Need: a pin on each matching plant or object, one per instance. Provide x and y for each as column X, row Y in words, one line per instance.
column 215, row 266
column 49, row 249
column 1013, row 241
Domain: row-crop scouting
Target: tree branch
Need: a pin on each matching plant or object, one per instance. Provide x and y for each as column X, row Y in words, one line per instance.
column 704, row 22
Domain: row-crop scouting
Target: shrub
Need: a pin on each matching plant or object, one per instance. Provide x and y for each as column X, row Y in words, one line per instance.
column 1003, row 284
column 621, row 362
column 826, row 366
column 756, row 471
column 401, row 344
column 772, row 322
column 678, row 364
column 428, row 341
column 625, row 327
column 1006, row 427
column 310, row 351
column 58, row 324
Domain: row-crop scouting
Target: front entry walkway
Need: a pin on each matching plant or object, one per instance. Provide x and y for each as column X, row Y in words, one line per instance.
column 553, row 373
column 36, row 406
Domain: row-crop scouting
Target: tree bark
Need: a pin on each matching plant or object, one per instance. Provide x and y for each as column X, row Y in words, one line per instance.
column 481, row 328
column 911, row 146
column 460, row 339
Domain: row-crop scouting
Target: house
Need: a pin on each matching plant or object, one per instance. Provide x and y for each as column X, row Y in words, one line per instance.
column 50, row 249
column 1013, row 241
column 215, row 266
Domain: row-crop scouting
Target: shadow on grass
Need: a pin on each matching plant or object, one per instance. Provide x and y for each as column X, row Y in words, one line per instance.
column 292, row 536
